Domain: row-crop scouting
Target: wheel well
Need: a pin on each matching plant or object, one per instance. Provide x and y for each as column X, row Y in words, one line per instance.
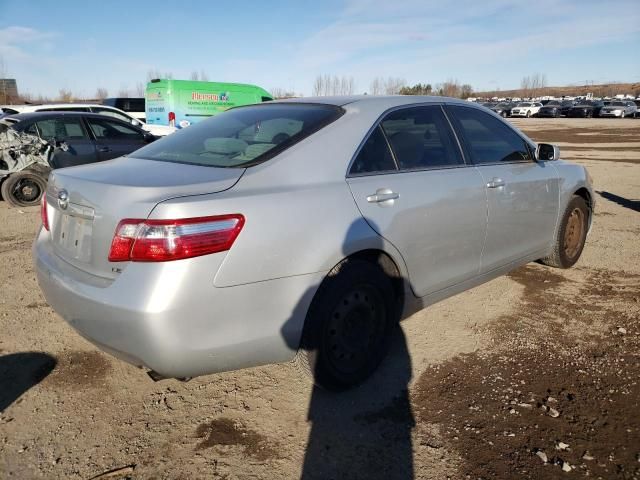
column 388, row 266
column 584, row 193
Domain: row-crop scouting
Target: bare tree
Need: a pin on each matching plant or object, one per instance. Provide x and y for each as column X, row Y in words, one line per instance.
column 377, row 86
column 65, row 95
column 101, row 93
column 124, row 93
column 333, row 85
column 392, row 86
column 466, row 91
column 140, row 89
column 156, row 73
column 279, row 92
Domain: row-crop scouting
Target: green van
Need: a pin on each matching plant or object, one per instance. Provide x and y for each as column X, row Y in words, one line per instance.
column 180, row 103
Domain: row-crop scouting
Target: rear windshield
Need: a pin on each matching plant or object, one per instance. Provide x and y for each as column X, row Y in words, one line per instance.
column 242, row 136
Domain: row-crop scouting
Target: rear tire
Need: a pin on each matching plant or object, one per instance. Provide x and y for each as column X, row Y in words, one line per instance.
column 23, row 189
column 348, row 327
column 571, row 237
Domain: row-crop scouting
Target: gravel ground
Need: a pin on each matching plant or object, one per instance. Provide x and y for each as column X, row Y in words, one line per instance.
column 532, row 375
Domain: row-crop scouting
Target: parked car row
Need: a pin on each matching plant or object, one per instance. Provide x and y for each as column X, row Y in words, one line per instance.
column 567, row 108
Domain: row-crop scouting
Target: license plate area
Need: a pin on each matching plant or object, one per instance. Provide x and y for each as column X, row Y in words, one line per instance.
column 73, row 232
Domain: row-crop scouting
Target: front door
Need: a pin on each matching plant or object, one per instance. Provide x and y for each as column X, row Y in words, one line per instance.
column 114, row 138
column 411, row 184
column 522, row 193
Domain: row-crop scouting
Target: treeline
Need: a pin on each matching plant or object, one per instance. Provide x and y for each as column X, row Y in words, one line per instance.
column 325, row 85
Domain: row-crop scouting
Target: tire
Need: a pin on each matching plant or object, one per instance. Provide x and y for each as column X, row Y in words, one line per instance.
column 349, row 325
column 23, row 189
column 572, row 234
column 529, row 114
column 504, row 114
column 622, row 114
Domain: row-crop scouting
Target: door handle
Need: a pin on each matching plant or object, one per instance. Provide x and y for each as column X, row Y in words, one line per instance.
column 104, row 149
column 383, row 195
column 495, row 183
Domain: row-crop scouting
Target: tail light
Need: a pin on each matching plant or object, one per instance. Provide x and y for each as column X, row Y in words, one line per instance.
column 172, row 119
column 43, row 211
column 165, row 240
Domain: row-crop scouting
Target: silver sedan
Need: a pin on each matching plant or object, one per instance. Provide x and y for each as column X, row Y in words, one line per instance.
column 304, row 228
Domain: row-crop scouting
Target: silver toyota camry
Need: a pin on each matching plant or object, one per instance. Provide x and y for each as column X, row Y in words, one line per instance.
column 300, row 229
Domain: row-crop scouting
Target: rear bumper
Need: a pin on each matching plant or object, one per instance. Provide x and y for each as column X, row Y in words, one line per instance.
column 170, row 318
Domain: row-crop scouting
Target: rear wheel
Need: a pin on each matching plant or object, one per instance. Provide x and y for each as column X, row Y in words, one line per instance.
column 504, row 114
column 347, row 330
column 23, row 189
column 571, row 236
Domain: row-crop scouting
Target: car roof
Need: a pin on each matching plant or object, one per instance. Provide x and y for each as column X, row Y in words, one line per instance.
column 372, row 100
column 55, row 113
column 33, row 107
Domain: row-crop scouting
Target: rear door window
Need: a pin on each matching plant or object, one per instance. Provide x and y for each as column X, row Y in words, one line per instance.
column 62, row 129
column 421, row 138
column 488, row 139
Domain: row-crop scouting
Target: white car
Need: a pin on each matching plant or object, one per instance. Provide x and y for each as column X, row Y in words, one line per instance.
column 526, row 109
column 157, row 130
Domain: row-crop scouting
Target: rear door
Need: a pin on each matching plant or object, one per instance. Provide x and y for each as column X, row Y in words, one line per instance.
column 69, row 130
column 114, row 138
column 522, row 193
column 411, row 184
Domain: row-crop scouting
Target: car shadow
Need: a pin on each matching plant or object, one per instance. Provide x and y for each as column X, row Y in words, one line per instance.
column 622, row 201
column 364, row 432
column 21, row 371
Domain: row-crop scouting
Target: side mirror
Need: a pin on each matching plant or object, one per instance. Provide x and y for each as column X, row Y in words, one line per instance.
column 546, row 152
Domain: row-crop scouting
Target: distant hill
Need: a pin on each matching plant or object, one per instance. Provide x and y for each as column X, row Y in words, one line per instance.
column 603, row 90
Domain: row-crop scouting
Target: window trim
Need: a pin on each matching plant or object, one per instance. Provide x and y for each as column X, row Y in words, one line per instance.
column 465, row 147
column 378, row 123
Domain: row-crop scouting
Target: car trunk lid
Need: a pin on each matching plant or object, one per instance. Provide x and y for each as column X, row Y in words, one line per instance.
column 86, row 203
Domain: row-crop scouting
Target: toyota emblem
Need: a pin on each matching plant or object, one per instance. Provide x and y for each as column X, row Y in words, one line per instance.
column 63, row 199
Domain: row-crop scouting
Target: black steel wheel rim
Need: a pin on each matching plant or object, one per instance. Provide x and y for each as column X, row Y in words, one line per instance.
column 26, row 190
column 355, row 329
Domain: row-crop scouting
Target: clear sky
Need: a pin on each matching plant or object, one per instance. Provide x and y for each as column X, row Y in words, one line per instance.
column 83, row 45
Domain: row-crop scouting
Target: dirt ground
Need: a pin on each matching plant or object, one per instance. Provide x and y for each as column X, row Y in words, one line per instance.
column 533, row 375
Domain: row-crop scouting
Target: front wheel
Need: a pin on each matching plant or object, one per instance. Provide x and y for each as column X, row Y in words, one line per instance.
column 23, row 189
column 571, row 236
column 622, row 114
column 528, row 113
column 348, row 327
